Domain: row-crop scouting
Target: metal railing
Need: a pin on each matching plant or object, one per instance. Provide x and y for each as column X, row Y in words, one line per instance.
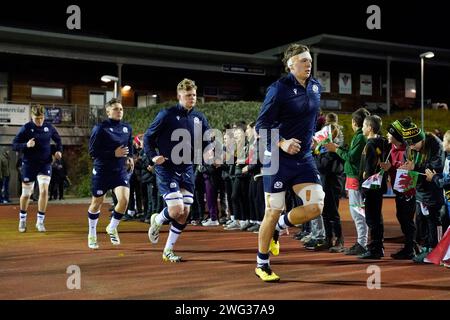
column 66, row 115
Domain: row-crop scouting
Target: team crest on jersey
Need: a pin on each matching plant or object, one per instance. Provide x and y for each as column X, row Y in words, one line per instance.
column 32, row 130
column 196, row 120
column 26, row 179
column 178, row 118
column 315, row 88
column 295, row 91
column 111, row 129
column 99, row 192
column 45, row 129
column 173, row 185
column 125, row 129
column 94, row 172
column 278, row 185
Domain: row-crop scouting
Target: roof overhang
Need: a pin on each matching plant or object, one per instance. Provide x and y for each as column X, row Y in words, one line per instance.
column 65, row 46
column 365, row 48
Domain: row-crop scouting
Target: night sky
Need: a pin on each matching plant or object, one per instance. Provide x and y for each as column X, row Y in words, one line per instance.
column 239, row 26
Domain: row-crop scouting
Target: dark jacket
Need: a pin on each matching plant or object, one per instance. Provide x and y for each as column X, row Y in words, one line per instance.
column 375, row 151
column 431, row 157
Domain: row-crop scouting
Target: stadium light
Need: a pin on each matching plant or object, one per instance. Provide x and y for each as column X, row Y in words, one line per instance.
column 424, row 55
column 107, row 78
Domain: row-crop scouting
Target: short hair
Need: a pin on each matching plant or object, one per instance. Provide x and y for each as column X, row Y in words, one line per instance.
column 111, row 102
column 359, row 115
column 331, row 117
column 375, row 123
column 37, row 110
column 293, row 50
column 447, row 135
column 187, row 85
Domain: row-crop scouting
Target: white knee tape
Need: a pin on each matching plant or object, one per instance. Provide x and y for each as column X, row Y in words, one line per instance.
column 43, row 180
column 275, row 201
column 27, row 189
column 174, row 199
column 188, row 198
column 312, row 194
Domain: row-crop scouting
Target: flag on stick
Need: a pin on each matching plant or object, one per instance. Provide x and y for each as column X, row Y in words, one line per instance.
column 374, row 181
column 405, row 180
column 322, row 137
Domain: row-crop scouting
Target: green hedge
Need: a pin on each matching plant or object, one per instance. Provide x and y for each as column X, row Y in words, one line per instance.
column 217, row 113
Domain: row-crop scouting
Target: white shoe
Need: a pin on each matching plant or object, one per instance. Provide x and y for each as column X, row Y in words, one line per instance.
column 22, row 226
column 210, row 223
column 113, row 235
column 153, row 231
column 170, row 256
column 235, row 225
column 92, row 242
column 40, row 227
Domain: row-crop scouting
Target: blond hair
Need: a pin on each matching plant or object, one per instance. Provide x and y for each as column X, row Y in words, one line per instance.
column 447, row 135
column 37, row 110
column 186, row 85
column 293, row 50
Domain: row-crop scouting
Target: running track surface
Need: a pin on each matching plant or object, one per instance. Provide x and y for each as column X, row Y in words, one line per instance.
column 218, row 265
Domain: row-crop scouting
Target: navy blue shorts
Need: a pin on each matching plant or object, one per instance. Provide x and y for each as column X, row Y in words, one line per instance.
column 170, row 180
column 29, row 172
column 290, row 173
column 102, row 182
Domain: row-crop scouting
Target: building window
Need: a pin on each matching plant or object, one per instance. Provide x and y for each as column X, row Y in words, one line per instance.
column 47, row 92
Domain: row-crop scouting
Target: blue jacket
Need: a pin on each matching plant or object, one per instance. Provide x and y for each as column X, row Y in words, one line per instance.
column 105, row 138
column 157, row 138
column 41, row 152
column 293, row 109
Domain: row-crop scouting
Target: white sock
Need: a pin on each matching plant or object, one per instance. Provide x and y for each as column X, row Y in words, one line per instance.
column 93, row 225
column 114, row 223
column 22, row 216
column 40, row 218
column 174, row 233
column 161, row 218
column 281, row 225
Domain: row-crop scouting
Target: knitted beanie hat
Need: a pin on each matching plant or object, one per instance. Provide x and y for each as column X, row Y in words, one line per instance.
column 411, row 132
column 395, row 129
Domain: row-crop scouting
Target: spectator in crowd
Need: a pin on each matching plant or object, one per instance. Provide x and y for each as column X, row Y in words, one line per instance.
column 352, row 158
column 425, row 151
column 4, row 175
column 256, row 187
column 59, row 176
column 405, row 202
column 375, row 152
column 331, row 168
